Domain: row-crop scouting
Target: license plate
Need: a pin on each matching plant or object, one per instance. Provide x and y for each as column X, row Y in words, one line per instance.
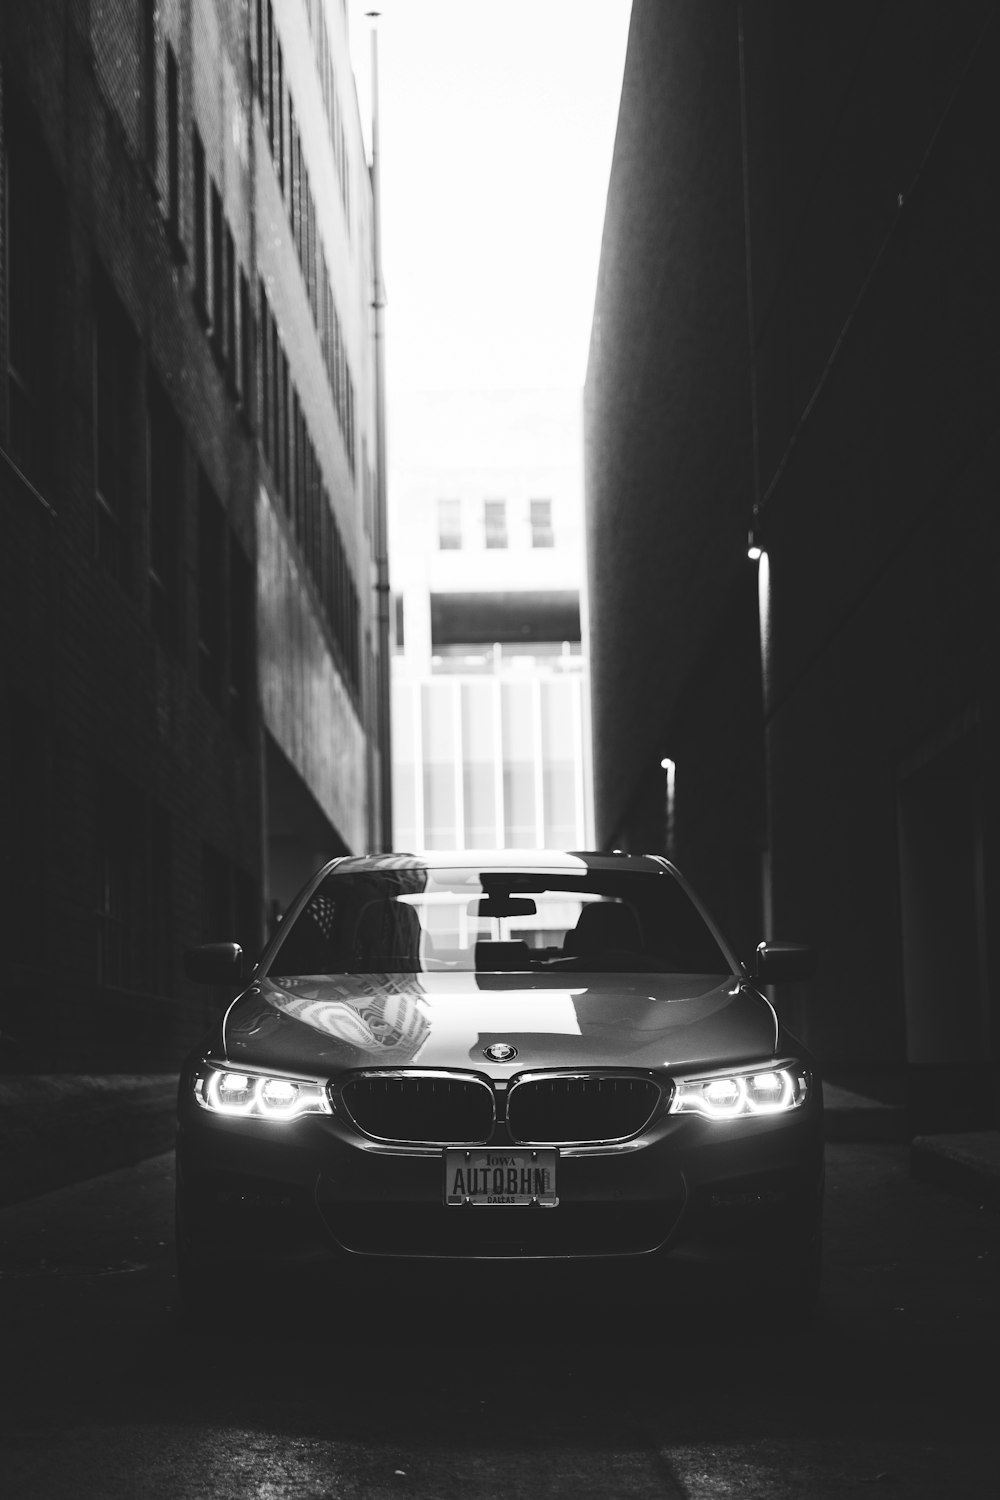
column 501, row 1178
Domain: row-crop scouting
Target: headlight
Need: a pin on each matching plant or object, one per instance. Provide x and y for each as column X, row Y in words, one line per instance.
column 732, row 1096
column 265, row 1096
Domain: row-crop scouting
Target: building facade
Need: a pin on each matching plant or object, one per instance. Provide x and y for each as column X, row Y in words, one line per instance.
column 187, row 413
column 796, row 332
column 490, row 713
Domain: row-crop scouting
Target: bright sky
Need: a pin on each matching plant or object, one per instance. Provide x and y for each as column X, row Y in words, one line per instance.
column 497, row 126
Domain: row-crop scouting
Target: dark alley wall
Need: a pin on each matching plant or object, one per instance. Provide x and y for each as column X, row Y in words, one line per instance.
column 871, row 468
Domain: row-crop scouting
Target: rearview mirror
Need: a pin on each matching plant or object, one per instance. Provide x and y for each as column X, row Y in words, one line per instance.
column 503, row 906
column 776, row 963
column 214, row 963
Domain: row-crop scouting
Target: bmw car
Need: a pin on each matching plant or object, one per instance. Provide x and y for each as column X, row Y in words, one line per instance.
column 501, row 1058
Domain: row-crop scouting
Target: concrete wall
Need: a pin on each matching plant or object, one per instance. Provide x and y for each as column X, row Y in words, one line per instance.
column 308, row 709
column 872, row 468
column 665, row 477
column 112, row 747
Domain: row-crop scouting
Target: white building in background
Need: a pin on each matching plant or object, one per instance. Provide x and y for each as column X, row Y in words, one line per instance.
column 490, row 726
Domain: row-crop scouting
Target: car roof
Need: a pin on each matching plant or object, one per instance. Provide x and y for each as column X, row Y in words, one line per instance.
column 554, row 860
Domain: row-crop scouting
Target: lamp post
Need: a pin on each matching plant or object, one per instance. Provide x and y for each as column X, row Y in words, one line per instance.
column 670, row 768
column 758, row 554
column 756, row 551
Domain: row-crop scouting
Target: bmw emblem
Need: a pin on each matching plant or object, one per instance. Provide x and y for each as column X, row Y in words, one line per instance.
column 500, row 1052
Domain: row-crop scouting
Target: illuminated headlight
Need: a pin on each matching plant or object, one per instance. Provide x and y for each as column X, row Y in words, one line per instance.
column 262, row 1095
column 758, row 1091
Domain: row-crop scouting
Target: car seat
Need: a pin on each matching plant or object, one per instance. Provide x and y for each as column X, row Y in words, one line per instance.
column 387, row 939
column 603, row 926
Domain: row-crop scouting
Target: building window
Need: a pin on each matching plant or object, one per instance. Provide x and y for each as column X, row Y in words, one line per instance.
column 541, row 523
column 331, row 102
column 275, row 403
column 149, row 82
column 285, row 440
column 368, row 482
column 230, row 293
column 165, row 490
column 242, row 653
column 263, row 322
column 479, row 730
column 293, row 176
column 449, row 525
column 440, row 769
column 173, row 149
column 495, row 522
column 200, row 227
column 218, row 313
column 270, row 75
column 114, row 387
column 211, row 592
column 559, row 708
column 349, row 424
column 297, row 495
column 260, row 60
column 247, row 346
column 335, row 345
column 345, row 179
column 317, row 501
column 517, row 739
column 279, row 105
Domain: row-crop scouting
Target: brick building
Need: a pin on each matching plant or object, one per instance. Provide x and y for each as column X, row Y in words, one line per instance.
column 796, row 330
column 191, row 658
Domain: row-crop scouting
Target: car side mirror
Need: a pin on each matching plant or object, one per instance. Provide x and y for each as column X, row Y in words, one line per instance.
column 776, row 963
column 214, row 963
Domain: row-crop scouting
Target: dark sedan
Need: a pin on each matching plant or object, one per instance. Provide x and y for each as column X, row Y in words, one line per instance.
column 509, row 1057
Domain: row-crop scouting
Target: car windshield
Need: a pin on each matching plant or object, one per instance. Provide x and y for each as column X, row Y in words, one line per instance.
column 422, row 920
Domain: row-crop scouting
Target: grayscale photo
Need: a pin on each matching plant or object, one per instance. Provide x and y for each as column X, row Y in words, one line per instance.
column 499, row 749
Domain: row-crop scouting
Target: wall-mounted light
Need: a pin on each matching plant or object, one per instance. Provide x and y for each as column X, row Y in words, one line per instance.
column 670, row 768
column 754, row 549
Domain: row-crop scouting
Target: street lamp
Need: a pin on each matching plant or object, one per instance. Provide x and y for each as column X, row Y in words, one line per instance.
column 670, row 768
column 757, row 554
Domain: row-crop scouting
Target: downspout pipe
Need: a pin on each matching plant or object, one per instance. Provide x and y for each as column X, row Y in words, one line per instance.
column 381, row 528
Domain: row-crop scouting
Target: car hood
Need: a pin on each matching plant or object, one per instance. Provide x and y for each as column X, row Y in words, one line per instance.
column 324, row 1025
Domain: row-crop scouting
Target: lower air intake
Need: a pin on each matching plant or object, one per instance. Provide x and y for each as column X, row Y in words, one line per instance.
column 571, row 1231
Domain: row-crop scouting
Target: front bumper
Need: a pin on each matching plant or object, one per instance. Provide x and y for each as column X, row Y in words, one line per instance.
column 686, row 1191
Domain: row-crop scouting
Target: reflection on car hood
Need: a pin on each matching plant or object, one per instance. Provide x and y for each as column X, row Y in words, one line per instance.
column 326, row 1024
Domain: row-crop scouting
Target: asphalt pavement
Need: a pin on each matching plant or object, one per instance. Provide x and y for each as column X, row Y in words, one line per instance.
column 61, row 1128
column 889, row 1389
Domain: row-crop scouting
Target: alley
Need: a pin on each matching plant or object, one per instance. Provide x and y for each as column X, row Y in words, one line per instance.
column 105, row 1394
column 499, row 653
